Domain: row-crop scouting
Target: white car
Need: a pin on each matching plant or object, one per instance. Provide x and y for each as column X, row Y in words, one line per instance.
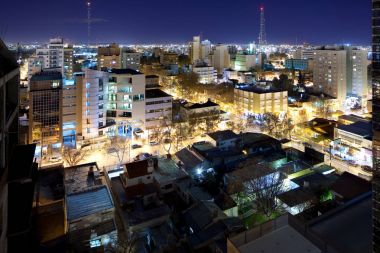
column 55, row 159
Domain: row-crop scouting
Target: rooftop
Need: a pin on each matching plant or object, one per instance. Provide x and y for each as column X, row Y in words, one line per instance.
column 256, row 89
column 89, row 202
column 167, row 170
column 151, row 76
column 189, row 158
column 284, row 240
column 46, row 76
column 348, row 229
column 82, row 178
column 360, row 128
column 125, row 72
column 223, row 135
column 209, row 103
column 349, row 186
column 156, row 93
column 137, row 169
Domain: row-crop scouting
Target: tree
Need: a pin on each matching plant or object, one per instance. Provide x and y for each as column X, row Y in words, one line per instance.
column 279, row 126
column 124, row 244
column 323, row 106
column 264, row 184
column 118, row 147
column 73, row 156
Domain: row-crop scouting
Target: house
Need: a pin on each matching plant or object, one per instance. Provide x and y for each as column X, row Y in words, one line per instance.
column 137, row 194
column 224, row 140
column 205, row 223
column 192, row 162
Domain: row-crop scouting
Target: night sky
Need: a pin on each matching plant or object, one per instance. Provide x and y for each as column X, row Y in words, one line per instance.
column 163, row 21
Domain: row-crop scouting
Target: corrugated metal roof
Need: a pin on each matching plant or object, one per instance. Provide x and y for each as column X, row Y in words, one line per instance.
column 88, row 202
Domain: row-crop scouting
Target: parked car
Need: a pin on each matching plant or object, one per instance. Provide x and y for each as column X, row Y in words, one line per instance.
column 153, row 143
column 136, row 146
column 55, row 159
column 142, row 156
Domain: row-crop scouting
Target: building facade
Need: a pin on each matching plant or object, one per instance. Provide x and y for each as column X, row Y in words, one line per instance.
column 376, row 123
column 220, row 58
column 256, row 100
column 55, row 55
column 126, row 100
column 45, row 111
column 158, row 109
column 9, row 83
column 206, row 74
column 109, row 57
column 330, row 73
column 130, row 60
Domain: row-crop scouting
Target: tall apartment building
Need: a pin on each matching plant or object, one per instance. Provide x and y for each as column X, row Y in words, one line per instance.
column 69, row 113
column 9, row 84
column 376, row 123
column 258, row 100
column 195, row 49
column 130, row 60
column 55, row 55
column 45, row 110
column 357, row 80
column 92, row 103
column 109, row 57
column 126, row 100
column 341, row 72
column 220, row 58
column 330, row 73
column 205, row 49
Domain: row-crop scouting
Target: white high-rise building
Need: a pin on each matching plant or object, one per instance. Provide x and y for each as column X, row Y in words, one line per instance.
column 55, row 55
column 341, row 72
column 330, row 73
column 92, row 91
column 221, row 58
column 357, row 72
column 126, row 100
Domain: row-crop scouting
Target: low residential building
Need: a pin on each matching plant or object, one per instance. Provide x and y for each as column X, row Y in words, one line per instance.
column 197, row 111
column 354, row 143
column 206, row 74
column 137, row 194
column 90, row 211
column 253, row 99
column 224, row 140
column 192, row 162
column 158, row 109
column 109, row 57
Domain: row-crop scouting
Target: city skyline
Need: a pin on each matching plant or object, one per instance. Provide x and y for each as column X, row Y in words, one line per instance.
column 148, row 21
